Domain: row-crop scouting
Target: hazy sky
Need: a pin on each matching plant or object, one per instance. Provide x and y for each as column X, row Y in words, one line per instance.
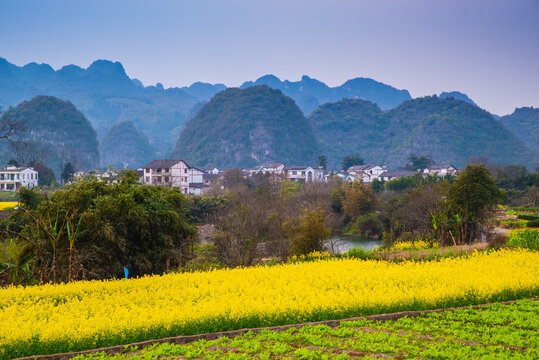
column 488, row 49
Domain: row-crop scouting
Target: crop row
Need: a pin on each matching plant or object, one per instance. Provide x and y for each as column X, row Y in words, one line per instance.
column 84, row 315
column 497, row 331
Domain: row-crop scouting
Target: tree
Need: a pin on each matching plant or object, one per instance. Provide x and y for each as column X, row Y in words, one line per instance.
column 10, row 127
column 351, row 160
column 92, row 230
column 67, row 172
column 471, row 198
column 358, row 199
column 419, row 162
column 308, row 233
column 323, row 161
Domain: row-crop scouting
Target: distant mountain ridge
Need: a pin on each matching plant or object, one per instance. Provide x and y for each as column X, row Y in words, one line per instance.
column 524, row 123
column 309, row 93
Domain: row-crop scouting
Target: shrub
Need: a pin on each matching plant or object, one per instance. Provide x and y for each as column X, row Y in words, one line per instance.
column 528, row 217
column 533, row 223
column 524, row 238
column 360, row 253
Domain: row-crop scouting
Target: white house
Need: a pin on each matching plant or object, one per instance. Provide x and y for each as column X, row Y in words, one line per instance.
column 214, row 171
column 304, row 173
column 274, row 168
column 174, row 173
column 366, row 173
column 440, row 170
column 343, row 175
column 12, row 178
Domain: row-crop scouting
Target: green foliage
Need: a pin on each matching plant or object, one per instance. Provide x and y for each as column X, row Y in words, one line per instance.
column 323, row 161
column 419, row 162
column 471, row 197
column 351, row 160
column 205, row 258
column 67, row 172
column 200, row 209
column 247, row 127
column 359, row 253
column 528, row 239
column 368, row 225
column 93, row 229
column 308, row 233
column 533, row 223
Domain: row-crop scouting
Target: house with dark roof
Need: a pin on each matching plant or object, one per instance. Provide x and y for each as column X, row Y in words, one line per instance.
column 174, row 173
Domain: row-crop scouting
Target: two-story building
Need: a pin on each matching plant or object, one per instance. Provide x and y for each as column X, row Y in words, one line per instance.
column 304, row 173
column 13, row 177
column 366, row 173
column 174, row 173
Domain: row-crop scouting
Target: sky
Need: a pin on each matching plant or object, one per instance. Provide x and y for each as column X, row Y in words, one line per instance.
column 486, row 49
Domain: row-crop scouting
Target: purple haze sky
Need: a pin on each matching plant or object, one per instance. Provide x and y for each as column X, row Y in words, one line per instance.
column 486, row 49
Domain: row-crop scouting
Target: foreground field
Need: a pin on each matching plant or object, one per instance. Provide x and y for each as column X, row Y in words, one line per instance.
column 60, row 318
column 497, row 331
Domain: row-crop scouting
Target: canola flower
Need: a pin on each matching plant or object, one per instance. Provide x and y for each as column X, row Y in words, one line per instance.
column 82, row 315
column 414, row 245
column 8, row 205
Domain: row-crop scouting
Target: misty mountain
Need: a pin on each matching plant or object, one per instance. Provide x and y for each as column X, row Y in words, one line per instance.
column 104, row 93
column 457, row 95
column 124, row 146
column 57, row 133
column 309, row 92
column 245, row 127
column 524, row 123
column 450, row 130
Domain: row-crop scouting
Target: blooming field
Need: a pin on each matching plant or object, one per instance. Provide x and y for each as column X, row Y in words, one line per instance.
column 84, row 315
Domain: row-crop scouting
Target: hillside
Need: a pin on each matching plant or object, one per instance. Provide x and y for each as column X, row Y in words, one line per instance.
column 124, row 146
column 56, row 126
column 348, row 127
column 104, row 93
column 450, row 130
column 309, row 93
column 524, row 123
column 247, row 127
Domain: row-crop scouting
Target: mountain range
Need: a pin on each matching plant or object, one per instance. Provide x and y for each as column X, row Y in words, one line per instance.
column 379, row 122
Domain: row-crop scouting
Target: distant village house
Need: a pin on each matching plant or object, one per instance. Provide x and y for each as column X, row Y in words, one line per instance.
column 12, row 178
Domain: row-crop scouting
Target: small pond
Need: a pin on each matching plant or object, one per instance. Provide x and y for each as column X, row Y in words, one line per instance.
column 343, row 243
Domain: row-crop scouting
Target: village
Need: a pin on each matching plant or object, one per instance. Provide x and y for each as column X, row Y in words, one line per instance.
column 176, row 173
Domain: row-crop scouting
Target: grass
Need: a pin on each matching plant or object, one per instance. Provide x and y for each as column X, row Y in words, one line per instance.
column 495, row 332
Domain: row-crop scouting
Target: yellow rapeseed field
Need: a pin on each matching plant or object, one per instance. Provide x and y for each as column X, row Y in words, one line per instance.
column 8, row 205
column 82, row 315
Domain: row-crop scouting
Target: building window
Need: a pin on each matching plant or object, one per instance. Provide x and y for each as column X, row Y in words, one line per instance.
column 147, row 171
column 158, row 179
column 303, row 173
column 185, row 171
column 147, row 179
column 167, row 170
column 158, row 170
column 294, row 172
column 166, row 178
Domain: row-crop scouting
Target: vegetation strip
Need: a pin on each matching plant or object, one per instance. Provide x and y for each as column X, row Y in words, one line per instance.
column 234, row 333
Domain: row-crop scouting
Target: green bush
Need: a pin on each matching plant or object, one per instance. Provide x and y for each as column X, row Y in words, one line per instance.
column 528, row 217
column 359, row 253
column 527, row 238
column 533, row 223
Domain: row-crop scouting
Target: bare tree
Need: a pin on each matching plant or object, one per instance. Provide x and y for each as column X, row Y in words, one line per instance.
column 28, row 152
column 10, row 127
